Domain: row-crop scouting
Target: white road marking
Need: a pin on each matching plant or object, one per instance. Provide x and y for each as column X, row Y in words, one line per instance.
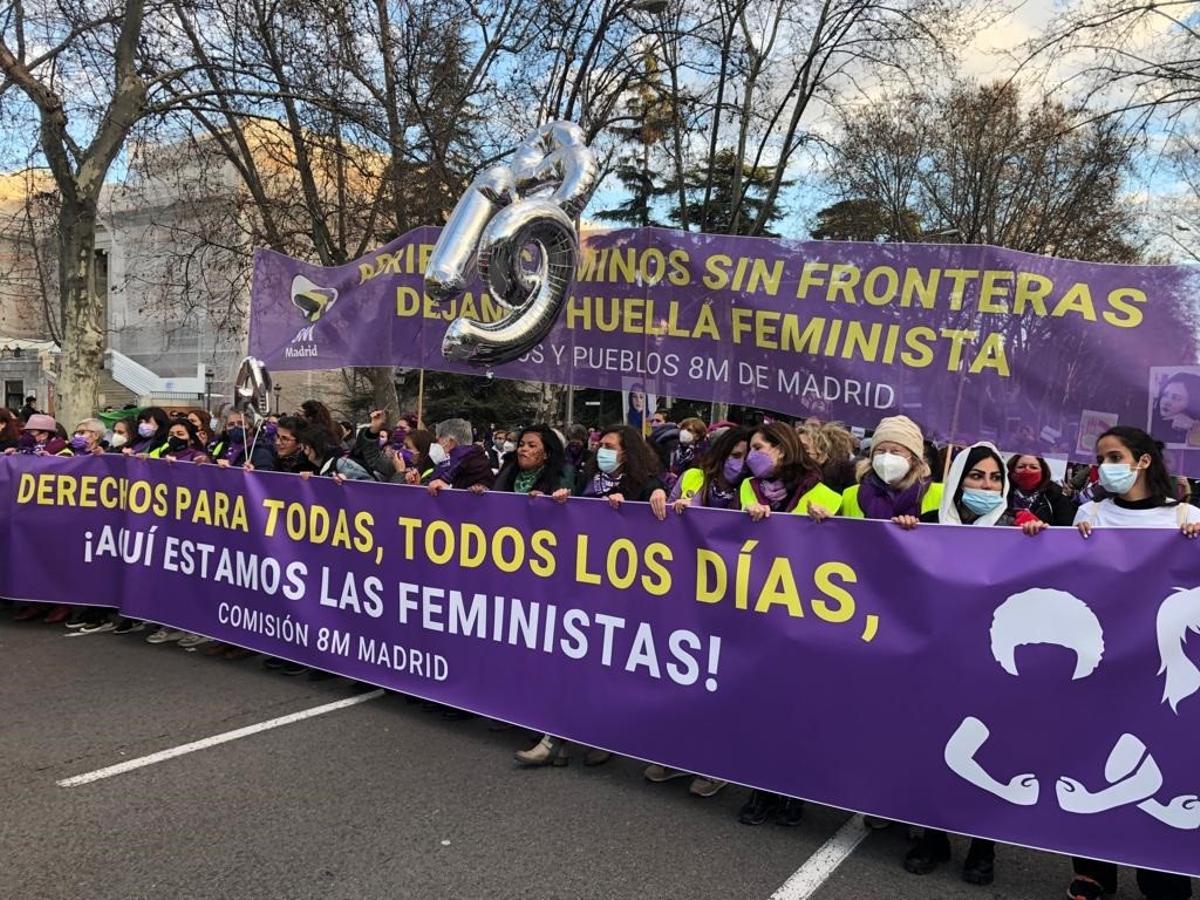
column 806, row 880
column 203, row 744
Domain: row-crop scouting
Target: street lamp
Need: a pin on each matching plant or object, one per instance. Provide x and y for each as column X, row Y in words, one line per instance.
column 208, row 383
column 278, row 392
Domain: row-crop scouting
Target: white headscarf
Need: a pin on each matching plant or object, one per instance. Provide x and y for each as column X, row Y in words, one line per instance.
column 948, row 512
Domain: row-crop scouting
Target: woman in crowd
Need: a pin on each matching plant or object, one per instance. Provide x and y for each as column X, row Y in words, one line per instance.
column 974, row 494
column 784, row 478
column 88, row 437
column 40, row 437
column 459, row 462
column 896, row 480
column 577, row 447
column 124, row 434
column 831, row 446
column 1140, row 495
column 10, row 429
column 183, row 443
column 238, row 445
column 713, row 484
column 288, row 456
column 1034, row 494
column 314, row 412
column 418, row 465
column 1176, row 409
column 152, row 427
column 537, row 466
column 325, row 455
column 200, row 421
column 624, row 468
column 715, row 481
column 693, row 442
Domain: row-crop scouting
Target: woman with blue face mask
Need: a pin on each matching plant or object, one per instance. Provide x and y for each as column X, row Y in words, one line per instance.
column 976, row 490
column 624, row 468
column 1141, row 494
column 1140, row 490
column 975, row 493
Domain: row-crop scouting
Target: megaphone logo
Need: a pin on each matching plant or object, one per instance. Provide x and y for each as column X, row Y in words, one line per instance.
column 312, row 299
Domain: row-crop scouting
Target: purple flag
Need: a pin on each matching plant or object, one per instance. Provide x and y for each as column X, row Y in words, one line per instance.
column 1039, row 691
column 1037, row 354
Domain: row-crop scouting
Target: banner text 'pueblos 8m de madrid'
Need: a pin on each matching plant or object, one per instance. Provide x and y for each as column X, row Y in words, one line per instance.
column 976, row 343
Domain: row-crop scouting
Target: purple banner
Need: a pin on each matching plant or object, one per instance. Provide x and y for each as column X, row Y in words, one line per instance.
column 1039, row 691
column 977, row 343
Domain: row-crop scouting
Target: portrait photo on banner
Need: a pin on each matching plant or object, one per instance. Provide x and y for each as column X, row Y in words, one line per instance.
column 1174, row 406
column 638, row 406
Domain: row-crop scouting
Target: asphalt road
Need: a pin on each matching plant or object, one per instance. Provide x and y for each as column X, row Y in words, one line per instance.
column 378, row 800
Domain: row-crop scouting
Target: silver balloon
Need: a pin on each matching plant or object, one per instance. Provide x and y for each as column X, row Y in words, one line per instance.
column 507, row 209
column 533, row 297
column 252, row 391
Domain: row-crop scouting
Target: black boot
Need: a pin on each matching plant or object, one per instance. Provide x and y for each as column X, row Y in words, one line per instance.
column 758, row 808
column 932, row 849
column 789, row 812
column 980, row 865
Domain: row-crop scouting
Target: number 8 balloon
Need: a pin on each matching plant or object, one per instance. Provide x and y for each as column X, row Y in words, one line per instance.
column 531, row 202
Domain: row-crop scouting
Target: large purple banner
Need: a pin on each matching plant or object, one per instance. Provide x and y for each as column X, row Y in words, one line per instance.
column 1039, row 691
column 1034, row 353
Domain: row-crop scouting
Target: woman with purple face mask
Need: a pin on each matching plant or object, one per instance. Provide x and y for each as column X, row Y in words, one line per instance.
column 784, row 478
column 152, row 427
column 715, row 482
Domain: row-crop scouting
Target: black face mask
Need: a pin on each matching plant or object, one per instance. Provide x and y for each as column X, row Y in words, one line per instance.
column 175, row 444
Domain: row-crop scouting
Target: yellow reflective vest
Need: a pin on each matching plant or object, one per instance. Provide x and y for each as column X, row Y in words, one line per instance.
column 931, row 500
column 820, row 494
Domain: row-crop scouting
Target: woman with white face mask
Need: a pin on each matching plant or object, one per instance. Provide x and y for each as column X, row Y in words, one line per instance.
column 895, row 482
column 1141, row 495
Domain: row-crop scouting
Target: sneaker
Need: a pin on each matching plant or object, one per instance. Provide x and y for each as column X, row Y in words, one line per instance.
column 790, row 812
column 191, row 641
column 548, row 751
column 292, row 668
column 274, row 662
column 758, row 808
column 980, row 865
column 931, row 850
column 658, row 774
column 164, row 635
column 1085, row 889
column 703, row 786
column 877, row 824
column 128, row 626
column 94, row 628
column 596, row 757
column 77, row 620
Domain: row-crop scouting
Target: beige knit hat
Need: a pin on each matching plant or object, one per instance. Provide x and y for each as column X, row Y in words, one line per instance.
column 900, row 430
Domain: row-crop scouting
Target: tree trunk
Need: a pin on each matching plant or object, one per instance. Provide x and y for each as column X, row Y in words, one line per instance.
column 83, row 315
column 383, row 390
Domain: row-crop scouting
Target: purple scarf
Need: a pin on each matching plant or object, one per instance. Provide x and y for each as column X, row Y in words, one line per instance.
column 773, row 492
column 879, row 501
column 1018, row 499
column 447, row 470
column 601, row 485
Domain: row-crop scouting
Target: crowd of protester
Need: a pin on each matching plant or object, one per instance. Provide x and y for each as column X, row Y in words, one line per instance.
column 814, row 468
